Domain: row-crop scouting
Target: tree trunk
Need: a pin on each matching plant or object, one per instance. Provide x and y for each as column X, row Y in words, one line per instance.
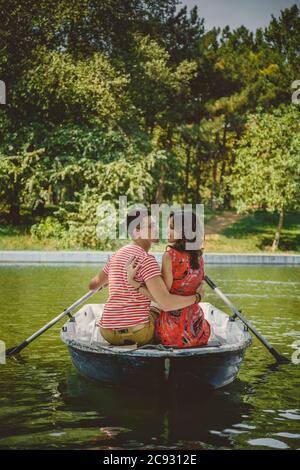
column 223, row 157
column 166, row 143
column 39, row 208
column 278, row 231
column 187, row 174
column 214, row 184
column 160, row 190
column 198, row 182
column 14, row 214
column 227, row 196
column 223, row 153
column 222, row 172
column 14, row 209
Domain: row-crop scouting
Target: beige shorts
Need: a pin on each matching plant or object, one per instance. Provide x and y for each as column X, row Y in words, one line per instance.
column 139, row 335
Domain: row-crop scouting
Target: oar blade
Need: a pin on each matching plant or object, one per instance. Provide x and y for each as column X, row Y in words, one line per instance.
column 10, row 352
column 16, row 349
column 280, row 359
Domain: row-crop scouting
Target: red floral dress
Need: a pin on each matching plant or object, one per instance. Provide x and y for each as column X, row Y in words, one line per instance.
column 185, row 327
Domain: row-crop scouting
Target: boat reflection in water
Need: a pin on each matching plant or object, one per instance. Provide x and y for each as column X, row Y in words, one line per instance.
column 163, row 418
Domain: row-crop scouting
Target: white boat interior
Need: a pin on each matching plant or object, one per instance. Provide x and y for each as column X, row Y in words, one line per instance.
column 226, row 334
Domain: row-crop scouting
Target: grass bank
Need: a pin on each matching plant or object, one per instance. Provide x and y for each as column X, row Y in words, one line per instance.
column 225, row 233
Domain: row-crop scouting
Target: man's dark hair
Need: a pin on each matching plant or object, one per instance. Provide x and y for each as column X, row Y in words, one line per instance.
column 132, row 215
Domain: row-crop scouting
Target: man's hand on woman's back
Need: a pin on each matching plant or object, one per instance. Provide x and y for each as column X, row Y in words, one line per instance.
column 200, row 290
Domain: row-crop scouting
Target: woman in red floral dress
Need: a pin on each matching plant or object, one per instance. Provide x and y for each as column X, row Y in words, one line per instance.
column 183, row 273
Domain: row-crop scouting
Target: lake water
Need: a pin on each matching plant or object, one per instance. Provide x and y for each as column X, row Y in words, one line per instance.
column 44, row 403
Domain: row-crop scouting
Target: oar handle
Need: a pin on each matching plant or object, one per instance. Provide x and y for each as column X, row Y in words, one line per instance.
column 61, row 315
column 210, row 282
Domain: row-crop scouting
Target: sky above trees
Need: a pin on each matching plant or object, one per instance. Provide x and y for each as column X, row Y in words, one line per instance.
column 253, row 14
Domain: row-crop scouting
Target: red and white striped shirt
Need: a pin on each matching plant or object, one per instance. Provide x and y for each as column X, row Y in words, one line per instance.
column 126, row 306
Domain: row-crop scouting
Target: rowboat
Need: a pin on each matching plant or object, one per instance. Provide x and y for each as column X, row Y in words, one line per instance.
column 214, row 365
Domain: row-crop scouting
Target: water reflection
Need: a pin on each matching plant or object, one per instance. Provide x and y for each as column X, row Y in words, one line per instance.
column 157, row 418
column 44, row 403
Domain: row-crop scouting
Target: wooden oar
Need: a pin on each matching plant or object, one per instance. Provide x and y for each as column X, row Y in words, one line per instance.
column 67, row 311
column 279, row 357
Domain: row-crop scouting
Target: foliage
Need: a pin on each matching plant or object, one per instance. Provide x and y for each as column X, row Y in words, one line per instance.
column 137, row 98
column 47, row 228
column 267, row 167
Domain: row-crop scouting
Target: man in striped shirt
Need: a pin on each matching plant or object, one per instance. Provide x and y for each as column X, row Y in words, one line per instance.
column 127, row 318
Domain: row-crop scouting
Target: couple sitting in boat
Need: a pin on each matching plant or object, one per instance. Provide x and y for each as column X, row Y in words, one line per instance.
column 134, row 280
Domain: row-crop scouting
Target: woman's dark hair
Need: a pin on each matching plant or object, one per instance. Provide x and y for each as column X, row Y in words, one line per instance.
column 180, row 244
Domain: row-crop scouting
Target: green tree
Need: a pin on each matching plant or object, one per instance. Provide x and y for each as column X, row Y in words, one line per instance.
column 267, row 168
column 23, row 181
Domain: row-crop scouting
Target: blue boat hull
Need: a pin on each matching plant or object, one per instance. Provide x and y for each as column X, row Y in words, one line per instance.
column 210, row 370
